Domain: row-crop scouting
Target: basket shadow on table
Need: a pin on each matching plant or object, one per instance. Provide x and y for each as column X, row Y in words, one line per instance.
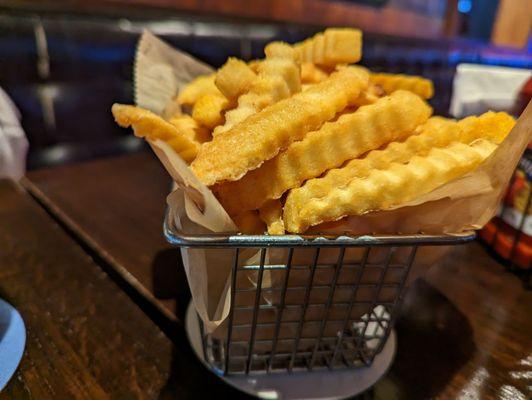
column 188, row 379
column 434, row 341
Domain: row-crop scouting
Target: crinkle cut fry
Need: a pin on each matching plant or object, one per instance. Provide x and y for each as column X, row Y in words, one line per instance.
column 311, row 73
column 249, row 223
column 278, row 78
column 263, row 135
column 234, row 78
column 369, row 96
column 271, row 213
column 391, row 82
column 191, row 128
column 377, row 159
column 398, row 184
column 209, row 109
column 149, row 125
column 494, row 126
column 436, row 132
column 333, row 46
column 368, row 128
column 196, row 89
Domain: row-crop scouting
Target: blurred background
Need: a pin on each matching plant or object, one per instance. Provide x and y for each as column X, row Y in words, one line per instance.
column 65, row 62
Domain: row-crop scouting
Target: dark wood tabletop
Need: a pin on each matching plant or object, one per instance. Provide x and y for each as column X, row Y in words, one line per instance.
column 464, row 329
column 105, row 203
column 86, row 339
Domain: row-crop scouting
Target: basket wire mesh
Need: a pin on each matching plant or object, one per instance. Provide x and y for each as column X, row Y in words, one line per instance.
column 325, row 303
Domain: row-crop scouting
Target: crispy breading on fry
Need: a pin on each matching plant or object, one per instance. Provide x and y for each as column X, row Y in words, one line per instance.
column 196, row 89
column 277, row 78
column 254, row 65
column 494, row 126
column 281, row 62
column 263, row 135
column 279, row 49
column 234, row 78
column 369, row 96
column 271, row 213
column 398, row 184
column 350, row 136
column 149, row 125
column 249, row 223
column 190, row 128
column 391, row 82
column 436, row 132
column 311, row 73
column 333, row 46
column 209, row 109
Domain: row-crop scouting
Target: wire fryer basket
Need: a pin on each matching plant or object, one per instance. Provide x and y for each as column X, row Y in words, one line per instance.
column 308, row 302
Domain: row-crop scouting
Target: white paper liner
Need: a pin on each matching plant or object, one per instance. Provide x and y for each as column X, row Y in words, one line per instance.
column 461, row 205
column 160, row 71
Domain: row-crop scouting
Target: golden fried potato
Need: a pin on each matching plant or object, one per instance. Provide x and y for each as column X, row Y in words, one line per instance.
column 494, row 126
column 271, row 213
column 279, row 49
column 149, row 125
column 392, row 82
column 234, row 78
column 332, row 47
column 254, row 65
column 350, row 136
column 311, row 73
column 262, row 136
column 191, row 128
column 436, row 132
column 249, row 223
column 196, row 89
column 369, row 96
column 277, row 78
column 209, row 110
column 382, row 189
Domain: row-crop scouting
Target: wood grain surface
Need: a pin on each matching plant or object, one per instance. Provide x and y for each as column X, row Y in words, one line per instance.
column 117, row 205
column 464, row 330
column 86, row 339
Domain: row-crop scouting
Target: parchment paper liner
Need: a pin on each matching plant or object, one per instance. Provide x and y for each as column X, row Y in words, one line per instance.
column 461, row 205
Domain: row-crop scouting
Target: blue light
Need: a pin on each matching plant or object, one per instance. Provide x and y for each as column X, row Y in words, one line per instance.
column 464, row 6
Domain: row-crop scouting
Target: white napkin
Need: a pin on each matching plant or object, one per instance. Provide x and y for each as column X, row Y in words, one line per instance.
column 479, row 88
column 13, row 142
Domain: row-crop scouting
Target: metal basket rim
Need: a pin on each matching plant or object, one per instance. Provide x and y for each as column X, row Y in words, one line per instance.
column 180, row 238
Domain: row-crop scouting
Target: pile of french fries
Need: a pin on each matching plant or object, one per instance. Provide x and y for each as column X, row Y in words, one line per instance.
column 305, row 137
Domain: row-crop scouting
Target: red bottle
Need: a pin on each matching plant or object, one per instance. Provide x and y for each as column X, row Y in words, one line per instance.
column 510, row 233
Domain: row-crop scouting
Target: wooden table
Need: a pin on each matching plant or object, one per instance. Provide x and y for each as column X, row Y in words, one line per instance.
column 106, row 206
column 86, row 339
column 464, row 329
